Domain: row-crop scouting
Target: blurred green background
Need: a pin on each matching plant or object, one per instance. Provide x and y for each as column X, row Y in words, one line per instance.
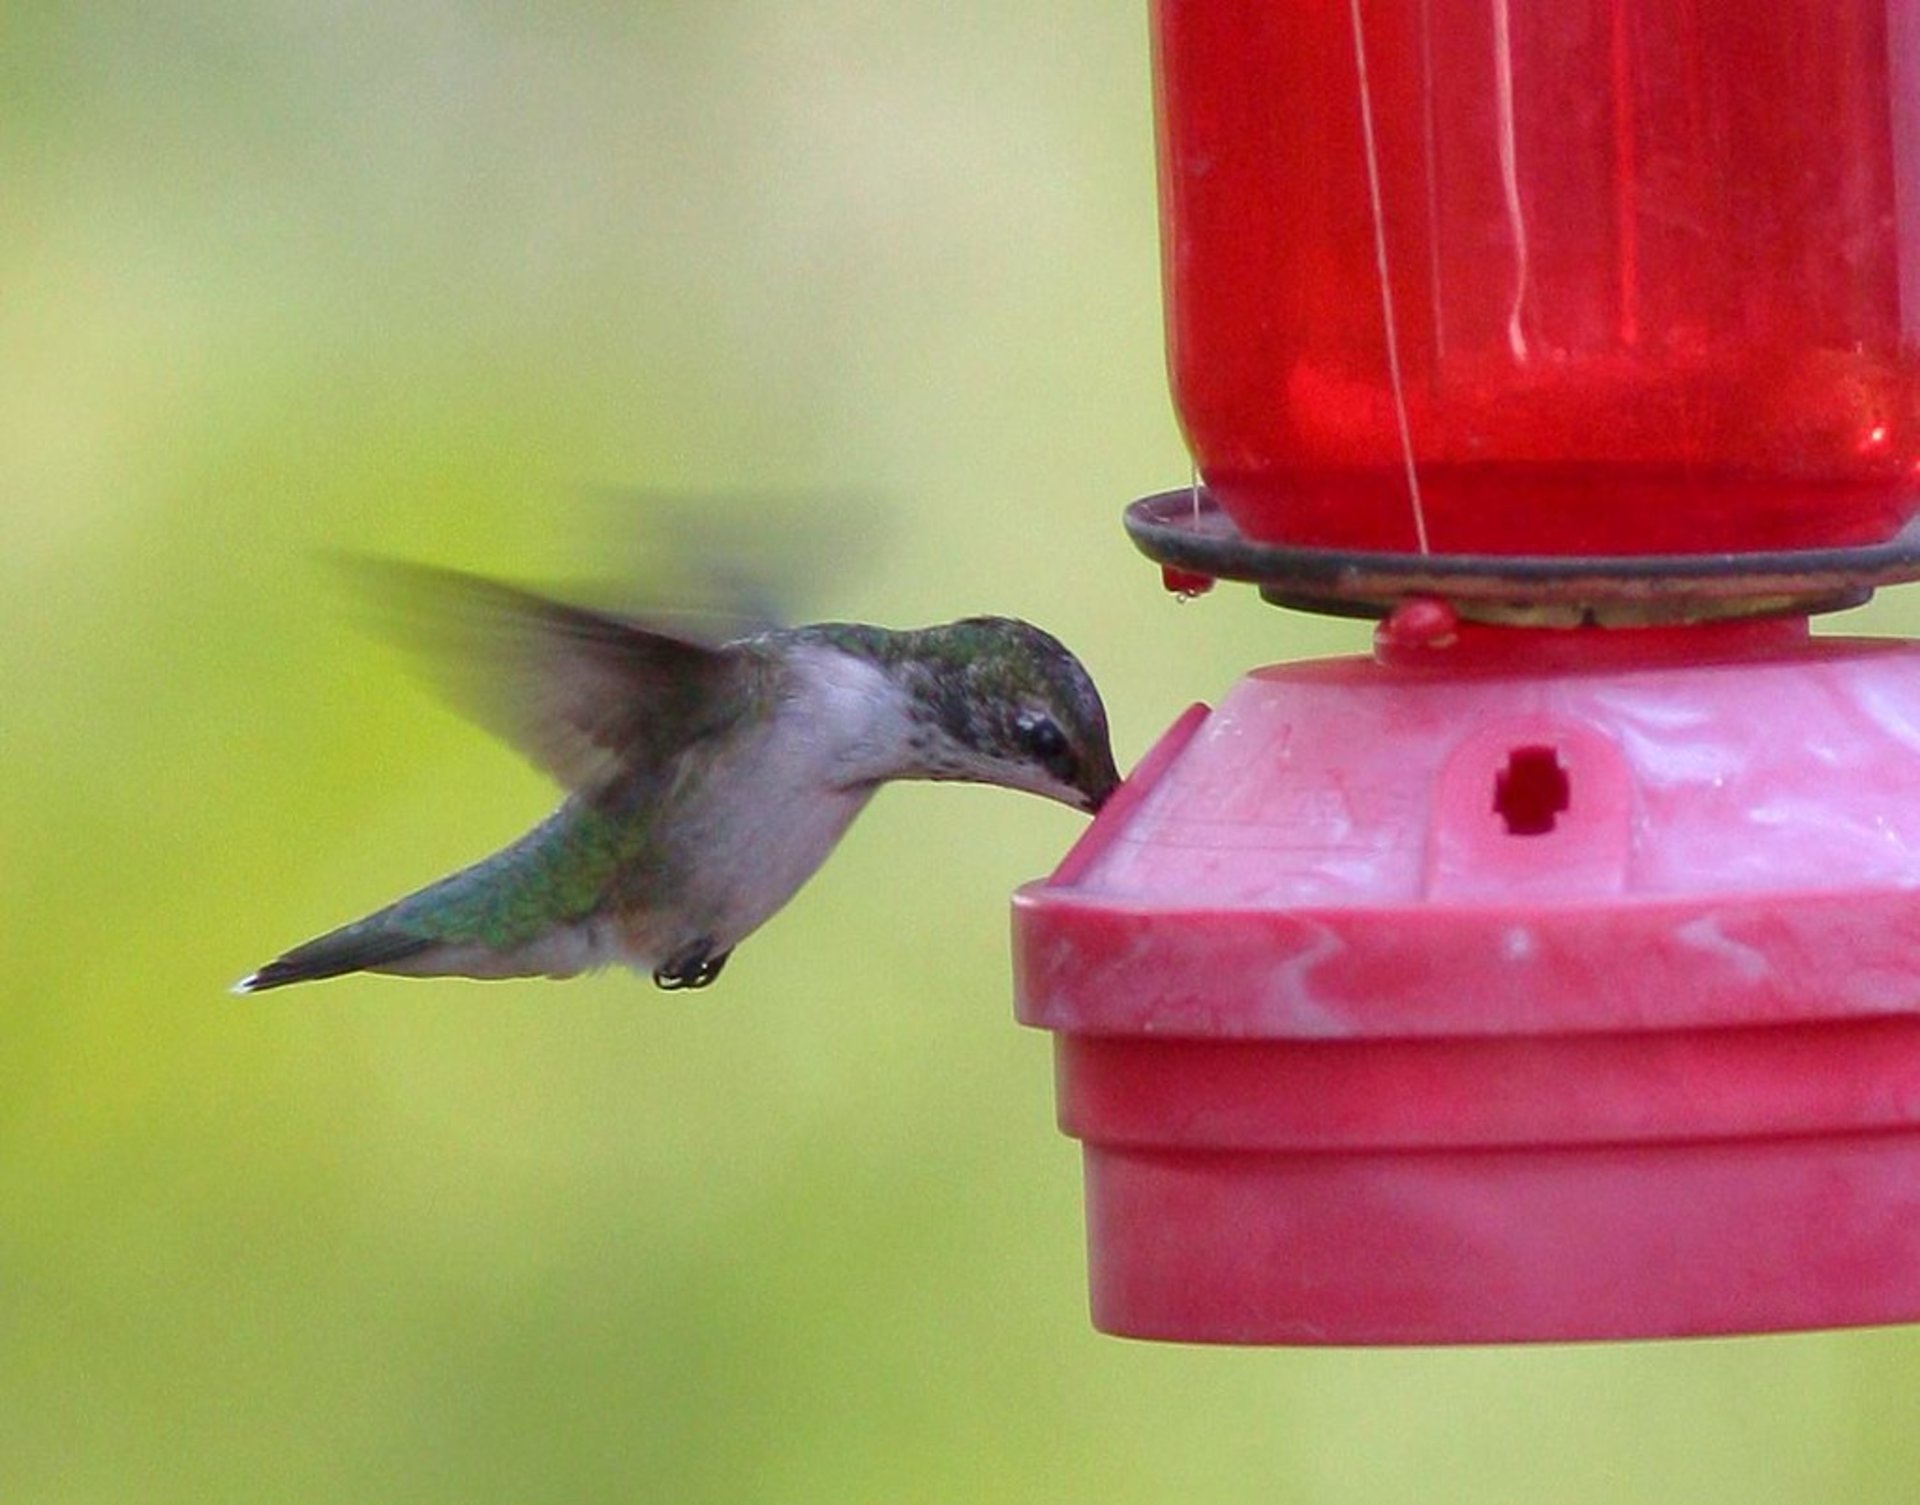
column 278, row 278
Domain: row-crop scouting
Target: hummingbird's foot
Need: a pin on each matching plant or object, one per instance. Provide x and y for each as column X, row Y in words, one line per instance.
column 691, row 966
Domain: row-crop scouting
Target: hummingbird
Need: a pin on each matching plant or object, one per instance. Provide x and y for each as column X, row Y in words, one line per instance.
column 707, row 777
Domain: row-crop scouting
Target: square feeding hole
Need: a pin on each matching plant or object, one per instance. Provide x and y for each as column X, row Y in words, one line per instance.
column 1531, row 791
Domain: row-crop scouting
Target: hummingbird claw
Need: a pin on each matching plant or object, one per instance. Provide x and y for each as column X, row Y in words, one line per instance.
column 692, row 966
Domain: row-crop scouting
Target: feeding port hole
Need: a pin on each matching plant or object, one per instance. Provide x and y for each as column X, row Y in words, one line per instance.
column 1531, row 791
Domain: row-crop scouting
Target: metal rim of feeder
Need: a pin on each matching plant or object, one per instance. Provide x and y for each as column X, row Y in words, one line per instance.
column 1187, row 530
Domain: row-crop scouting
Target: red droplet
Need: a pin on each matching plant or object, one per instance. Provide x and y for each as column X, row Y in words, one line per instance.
column 1185, row 582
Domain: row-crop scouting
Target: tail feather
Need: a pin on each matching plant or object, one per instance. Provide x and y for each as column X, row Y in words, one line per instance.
column 353, row 948
column 512, row 914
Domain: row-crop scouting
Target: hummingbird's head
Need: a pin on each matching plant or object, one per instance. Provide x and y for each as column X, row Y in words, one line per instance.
column 998, row 701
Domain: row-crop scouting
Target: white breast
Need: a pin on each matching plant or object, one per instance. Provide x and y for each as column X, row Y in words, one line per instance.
column 776, row 804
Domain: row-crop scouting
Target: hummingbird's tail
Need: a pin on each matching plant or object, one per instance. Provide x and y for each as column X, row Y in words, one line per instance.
column 366, row 945
column 530, row 910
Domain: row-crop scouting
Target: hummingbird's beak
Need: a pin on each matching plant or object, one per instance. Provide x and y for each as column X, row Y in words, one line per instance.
column 1098, row 790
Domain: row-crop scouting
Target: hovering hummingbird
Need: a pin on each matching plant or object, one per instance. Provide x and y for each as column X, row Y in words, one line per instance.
column 707, row 780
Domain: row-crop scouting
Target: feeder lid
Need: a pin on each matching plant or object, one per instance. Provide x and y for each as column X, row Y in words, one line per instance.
column 1191, row 537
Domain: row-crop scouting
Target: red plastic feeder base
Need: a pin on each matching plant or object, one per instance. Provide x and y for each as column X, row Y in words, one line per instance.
column 1531, row 985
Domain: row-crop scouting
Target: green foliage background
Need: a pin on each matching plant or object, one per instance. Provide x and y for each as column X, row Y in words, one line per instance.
column 276, row 278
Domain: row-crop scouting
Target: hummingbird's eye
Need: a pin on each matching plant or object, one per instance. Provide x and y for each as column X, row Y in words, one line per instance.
column 1044, row 742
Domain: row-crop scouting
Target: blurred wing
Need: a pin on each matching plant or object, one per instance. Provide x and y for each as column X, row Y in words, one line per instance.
column 588, row 696
column 766, row 556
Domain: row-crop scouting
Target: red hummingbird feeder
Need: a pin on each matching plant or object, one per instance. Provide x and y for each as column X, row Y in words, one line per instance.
column 1553, row 972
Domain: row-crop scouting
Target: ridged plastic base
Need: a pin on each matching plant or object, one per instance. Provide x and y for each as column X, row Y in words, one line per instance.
column 1521, row 986
column 1427, row 1242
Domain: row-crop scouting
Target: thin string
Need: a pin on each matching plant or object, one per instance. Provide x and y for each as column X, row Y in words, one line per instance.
column 1386, row 284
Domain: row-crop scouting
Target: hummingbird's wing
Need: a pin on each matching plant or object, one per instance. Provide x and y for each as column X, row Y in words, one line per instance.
column 591, row 697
